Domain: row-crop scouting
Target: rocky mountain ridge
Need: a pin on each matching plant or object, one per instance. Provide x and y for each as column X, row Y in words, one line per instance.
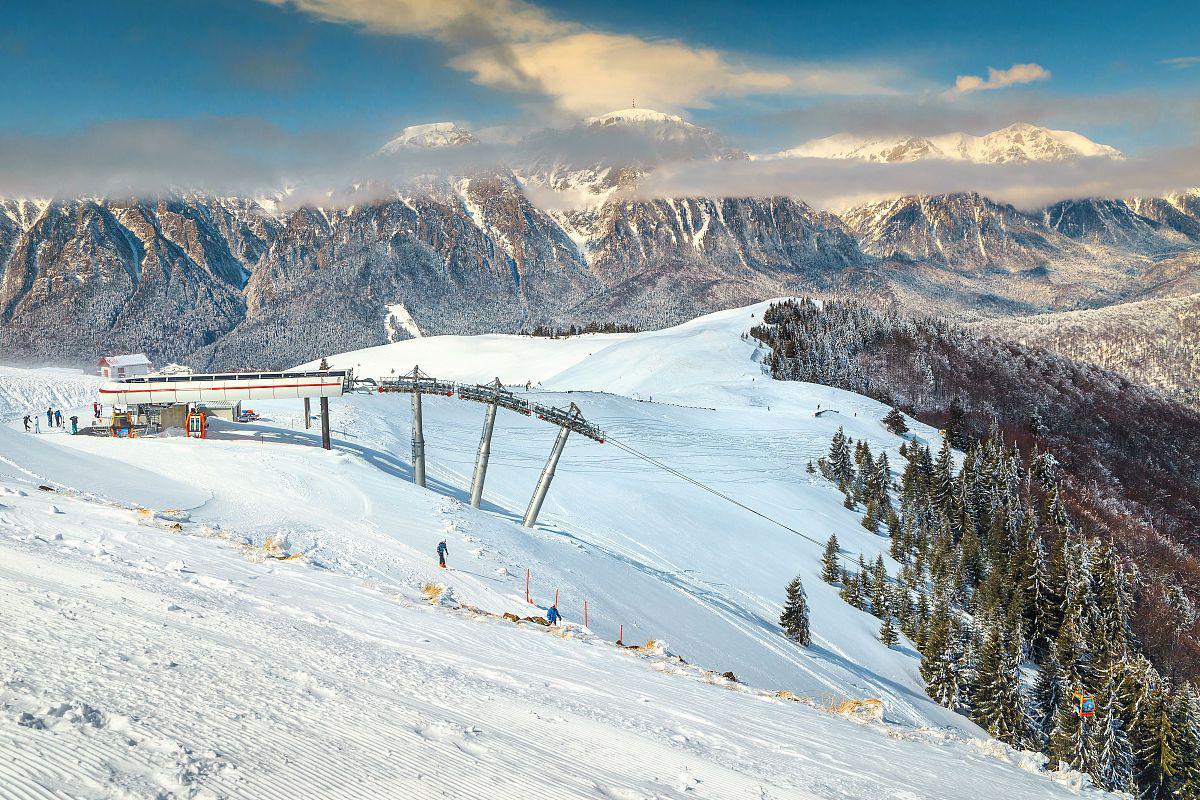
column 242, row 282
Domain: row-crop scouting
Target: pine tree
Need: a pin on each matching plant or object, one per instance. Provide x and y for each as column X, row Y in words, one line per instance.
column 955, row 429
column 830, row 567
column 1158, row 758
column 852, row 590
column 1185, row 721
column 879, row 587
column 998, row 705
column 887, row 631
column 870, row 520
column 794, row 618
column 840, row 466
column 1049, row 695
column 894, row 422
column 1110, row 742
column 941, row 486
column 941, row 657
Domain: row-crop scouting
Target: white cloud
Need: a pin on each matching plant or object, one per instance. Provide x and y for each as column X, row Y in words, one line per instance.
column 516, row 46
column 446, row 20
column 1182, row 62
column 589, row 72
column 1001, row 78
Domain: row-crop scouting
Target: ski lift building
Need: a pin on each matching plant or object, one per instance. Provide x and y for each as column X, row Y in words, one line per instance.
column 129, row 365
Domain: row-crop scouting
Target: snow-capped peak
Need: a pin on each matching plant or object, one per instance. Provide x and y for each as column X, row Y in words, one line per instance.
column 433, row 134
column 1019, row 142
column 636, row 115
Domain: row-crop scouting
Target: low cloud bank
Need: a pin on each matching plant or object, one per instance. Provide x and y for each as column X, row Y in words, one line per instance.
column 248, row 158
column 834, row 184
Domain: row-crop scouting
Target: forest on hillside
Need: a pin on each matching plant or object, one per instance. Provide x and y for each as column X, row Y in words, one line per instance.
column 1128, row 457
column 1022, row 616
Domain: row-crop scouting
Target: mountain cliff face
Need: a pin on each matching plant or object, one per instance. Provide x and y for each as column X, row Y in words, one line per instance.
column 88, row 275
column 253, row 282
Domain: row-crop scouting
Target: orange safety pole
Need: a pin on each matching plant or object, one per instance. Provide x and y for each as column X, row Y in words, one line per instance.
column 556, row 597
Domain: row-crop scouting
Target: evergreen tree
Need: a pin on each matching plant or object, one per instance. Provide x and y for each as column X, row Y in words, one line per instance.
column 840, row 466
column 1049, row 695
column 941, row 484
column 1185, row 722
column 870, row 520
column 1114, row 767
column 956, row 432
column 887, row 631
column 794, row 618
column 941, row 656
column 1158, row 757
column 879, row 587
column 830, row 567
column 998, row 706
column 894, row 422
column 852, row 590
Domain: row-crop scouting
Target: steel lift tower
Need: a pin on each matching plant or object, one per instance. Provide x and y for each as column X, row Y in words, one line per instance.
column 568, row 421
column 417, row 384
column 496, row 396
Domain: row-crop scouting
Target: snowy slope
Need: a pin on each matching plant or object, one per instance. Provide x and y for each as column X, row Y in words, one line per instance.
column 331, row 667
column 475, row 359
column 28, row 391
column 202, row 671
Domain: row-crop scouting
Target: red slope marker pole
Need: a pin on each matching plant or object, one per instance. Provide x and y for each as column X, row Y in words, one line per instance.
column 621, row 635
column 556, row 597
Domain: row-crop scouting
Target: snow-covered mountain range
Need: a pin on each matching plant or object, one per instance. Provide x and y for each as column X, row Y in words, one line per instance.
column 1020, row 142
column 560, row 237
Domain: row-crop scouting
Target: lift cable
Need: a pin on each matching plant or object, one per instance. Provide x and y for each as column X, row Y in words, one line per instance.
column 655, row 462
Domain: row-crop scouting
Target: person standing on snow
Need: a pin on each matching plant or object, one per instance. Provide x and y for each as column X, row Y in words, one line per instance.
column 74, row 424
column 97, row 409
column 49, row 417
column 442, row 552
column 553, row 616
column 26, row 421
column 57, row 418
column 37, row 424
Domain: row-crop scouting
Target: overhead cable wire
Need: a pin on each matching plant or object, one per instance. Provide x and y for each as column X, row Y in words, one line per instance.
column 655, row 462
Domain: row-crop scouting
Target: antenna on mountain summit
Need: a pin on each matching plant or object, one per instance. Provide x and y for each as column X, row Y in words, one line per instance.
column 634, row 103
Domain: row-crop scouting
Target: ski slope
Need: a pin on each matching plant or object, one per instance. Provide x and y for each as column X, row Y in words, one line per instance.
column 200, row 669
column 29, row 391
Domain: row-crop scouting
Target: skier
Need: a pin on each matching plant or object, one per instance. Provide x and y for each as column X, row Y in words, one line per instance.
column 442, row 552
column 74, row 424
column 49, row 417
column 26, row 420
column 553, row 616
column 97, row 409
column 37, row 423
column 57, row 418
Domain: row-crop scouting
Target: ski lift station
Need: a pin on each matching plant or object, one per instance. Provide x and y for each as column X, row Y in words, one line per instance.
column 186, row 400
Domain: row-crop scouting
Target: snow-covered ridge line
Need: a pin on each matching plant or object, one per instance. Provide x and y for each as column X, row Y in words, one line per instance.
column 1020, row 142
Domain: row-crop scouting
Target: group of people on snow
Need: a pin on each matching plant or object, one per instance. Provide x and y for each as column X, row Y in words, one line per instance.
column 54, row 419
column 552, row 616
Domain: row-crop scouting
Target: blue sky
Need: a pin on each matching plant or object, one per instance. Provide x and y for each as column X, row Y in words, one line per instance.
column 763, row 74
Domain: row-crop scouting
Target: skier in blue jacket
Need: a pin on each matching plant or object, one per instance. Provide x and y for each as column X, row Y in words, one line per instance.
column 442, row 552
column 553, row 616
